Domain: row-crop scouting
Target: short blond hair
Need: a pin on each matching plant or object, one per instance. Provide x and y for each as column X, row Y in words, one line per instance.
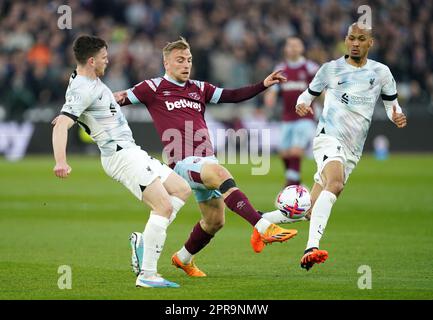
column 180, row 44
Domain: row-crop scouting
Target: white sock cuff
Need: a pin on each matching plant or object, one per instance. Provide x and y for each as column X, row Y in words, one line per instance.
column 262, row 225
column 177, row 203
column 158, row 220
column 329, row 195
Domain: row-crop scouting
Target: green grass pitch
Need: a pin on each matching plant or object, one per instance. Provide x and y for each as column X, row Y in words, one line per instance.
column 384, row 219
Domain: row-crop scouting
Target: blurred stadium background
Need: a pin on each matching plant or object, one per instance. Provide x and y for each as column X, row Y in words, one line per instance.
column 383, row 220
column 234, row 43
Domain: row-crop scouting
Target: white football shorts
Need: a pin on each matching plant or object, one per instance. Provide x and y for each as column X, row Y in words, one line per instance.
column 327, row 148
column 135, row 169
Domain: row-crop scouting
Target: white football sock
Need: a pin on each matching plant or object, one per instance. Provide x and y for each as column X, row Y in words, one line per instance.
column 177, row 205
column 153, row 242
column 319, row 217
column 184, row 256
column 262, row 225
column 278, row 217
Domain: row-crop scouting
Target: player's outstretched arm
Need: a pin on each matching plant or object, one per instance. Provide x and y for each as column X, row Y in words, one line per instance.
column 60, row 138
column 245, row 93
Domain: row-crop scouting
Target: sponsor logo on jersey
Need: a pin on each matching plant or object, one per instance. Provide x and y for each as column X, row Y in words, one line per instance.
column 345, row 98
column 194, row 95
column 354, row 100
column 183, row 103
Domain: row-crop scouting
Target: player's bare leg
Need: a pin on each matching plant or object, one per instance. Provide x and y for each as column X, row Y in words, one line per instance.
column 215, row 176
column 154, row 235
column 179, row 191
column 212, row 221
column 333, row 180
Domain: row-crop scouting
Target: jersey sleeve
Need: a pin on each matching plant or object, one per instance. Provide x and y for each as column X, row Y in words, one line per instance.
column 77, row 101
column 320, row 81
column 389, row 87
column 212, row 93
column 141, row 92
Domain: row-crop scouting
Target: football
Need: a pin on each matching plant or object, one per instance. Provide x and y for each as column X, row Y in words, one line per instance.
column 294, row 201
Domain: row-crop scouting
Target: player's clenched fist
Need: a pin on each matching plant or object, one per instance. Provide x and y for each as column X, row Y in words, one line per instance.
column 398, row 118
column 120, row 96
column 62, row 170
column 302, row 109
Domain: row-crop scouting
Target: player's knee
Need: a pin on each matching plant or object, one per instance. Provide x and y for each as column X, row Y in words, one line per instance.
column 214, row 175
column 184, row 191
column 164, row 208
column 335, row 187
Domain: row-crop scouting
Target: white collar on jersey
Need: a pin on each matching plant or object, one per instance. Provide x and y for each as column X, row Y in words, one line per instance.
column 170, row 79
column 297, row 63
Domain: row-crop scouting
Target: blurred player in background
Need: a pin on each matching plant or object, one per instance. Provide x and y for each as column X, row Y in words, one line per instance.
column 91, row 104
column 177, row 105
column 353, row 84
column 297, row 133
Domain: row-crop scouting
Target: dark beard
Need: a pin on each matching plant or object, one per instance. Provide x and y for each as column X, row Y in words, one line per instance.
column 356, row 59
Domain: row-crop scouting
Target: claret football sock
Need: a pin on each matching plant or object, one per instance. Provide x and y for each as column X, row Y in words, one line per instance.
column 238, row 202
column 197, row 240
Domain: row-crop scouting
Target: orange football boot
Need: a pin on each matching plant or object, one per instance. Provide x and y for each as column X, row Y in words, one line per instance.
column 312, row 256
column 190, row 269
column 272, row 234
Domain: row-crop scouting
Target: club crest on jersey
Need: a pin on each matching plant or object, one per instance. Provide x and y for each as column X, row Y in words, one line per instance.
column 194, row 95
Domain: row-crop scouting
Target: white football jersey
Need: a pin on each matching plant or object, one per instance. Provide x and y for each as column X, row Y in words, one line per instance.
column 92, row 104
column 351, row 94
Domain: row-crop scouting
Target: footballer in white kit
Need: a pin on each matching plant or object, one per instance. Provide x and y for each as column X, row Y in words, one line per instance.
column 351, row 95
column 353, row 84
column 91, row 104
